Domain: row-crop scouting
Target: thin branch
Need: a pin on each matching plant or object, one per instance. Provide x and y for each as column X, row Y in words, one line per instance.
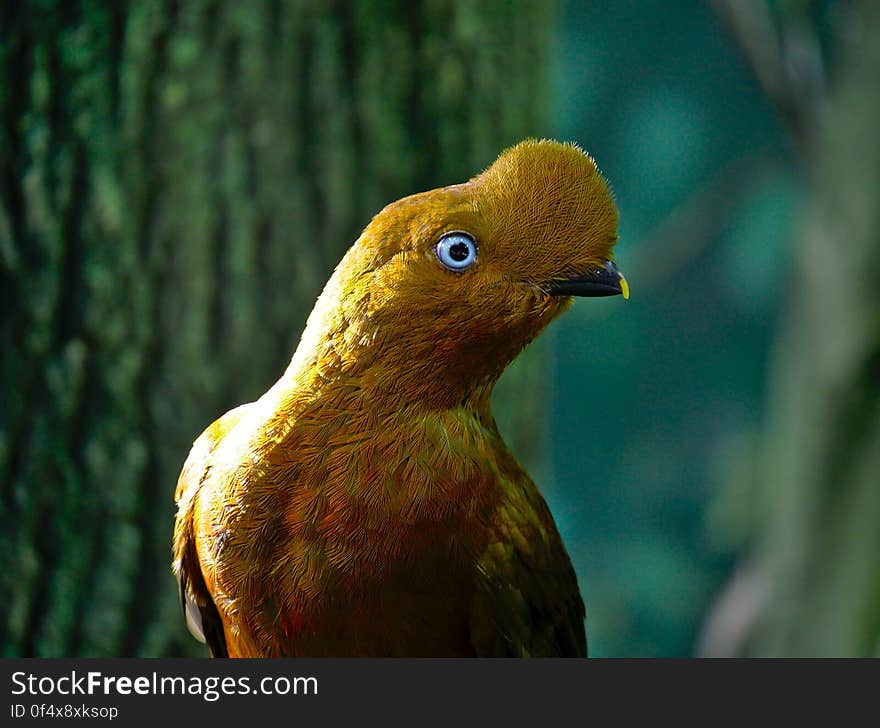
column 784, row 54
column 691, row 226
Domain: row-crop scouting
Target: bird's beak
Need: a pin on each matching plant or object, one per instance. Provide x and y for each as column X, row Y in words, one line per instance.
column 606, row 281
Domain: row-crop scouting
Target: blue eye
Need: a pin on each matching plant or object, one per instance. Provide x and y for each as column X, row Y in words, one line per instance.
column 456, row 250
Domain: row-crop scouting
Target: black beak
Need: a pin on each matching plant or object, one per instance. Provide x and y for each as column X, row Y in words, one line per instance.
column 607, row 281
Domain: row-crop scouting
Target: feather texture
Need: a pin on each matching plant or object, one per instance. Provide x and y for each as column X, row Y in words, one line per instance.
column 367, row 504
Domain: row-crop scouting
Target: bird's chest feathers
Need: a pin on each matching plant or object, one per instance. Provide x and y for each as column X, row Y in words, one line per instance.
column 398, row 489
column 362, row 501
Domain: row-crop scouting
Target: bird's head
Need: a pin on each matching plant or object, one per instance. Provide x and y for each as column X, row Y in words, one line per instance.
column 444, row 288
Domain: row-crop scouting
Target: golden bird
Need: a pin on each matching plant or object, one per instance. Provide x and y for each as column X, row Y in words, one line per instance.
column 366, row 505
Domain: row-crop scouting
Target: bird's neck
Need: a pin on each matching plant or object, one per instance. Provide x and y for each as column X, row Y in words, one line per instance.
column 390, row 387
column 428, row 375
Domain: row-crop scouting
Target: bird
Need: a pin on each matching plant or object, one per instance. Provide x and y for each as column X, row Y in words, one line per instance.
column 366, row 505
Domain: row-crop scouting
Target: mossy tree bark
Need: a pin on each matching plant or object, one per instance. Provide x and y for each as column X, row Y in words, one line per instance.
column 177, row 180
column 811, row 586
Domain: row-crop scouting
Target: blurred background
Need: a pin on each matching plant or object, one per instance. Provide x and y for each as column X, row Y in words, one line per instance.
column 179, row 177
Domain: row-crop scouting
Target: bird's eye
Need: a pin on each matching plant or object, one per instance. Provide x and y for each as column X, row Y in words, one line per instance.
column 456, row 250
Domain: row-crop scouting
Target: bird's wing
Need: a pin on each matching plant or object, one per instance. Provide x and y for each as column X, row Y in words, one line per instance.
column 202, row 617
column 527, row 602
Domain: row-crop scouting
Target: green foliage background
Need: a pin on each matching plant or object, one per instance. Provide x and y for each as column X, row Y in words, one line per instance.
column 715, row 443
column 655, row 402
column 178, row 178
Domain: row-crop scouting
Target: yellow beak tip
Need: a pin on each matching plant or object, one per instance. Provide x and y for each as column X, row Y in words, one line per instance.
column 624, row 287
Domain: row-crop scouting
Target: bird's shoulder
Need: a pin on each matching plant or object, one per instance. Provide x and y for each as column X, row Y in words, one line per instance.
column 198, row 459
column 201, row 614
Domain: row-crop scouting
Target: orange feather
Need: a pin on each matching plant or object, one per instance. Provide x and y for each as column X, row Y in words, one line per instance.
column 366, row 504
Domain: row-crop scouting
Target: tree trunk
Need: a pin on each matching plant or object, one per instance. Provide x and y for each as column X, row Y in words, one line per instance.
column 178, row 180
column 812, row 585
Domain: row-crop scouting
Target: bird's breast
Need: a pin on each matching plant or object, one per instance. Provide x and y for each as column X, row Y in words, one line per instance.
column 357, row 540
